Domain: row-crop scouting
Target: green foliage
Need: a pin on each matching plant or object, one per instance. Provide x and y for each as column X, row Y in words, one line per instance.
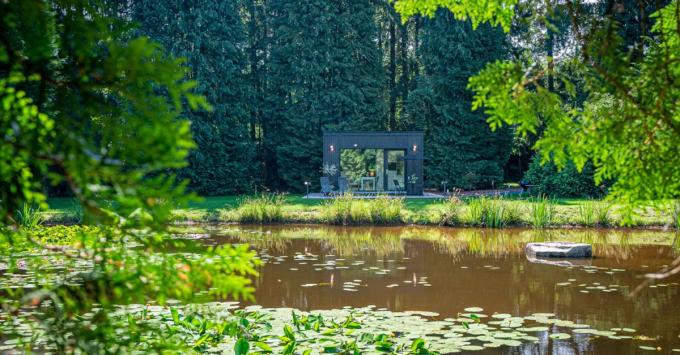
column 347, row 210
column 602, row 103
column 542, row 212
column 546, row 179
column 586, row 213
column 491, row 212
column 498, row 12
column 324, row 73
column 451, row 211
column 86, row 103
column 29, row 216
column 594, row 213
column 673, row 209
column 210, row 35
column 265, row 208
column 460, row 146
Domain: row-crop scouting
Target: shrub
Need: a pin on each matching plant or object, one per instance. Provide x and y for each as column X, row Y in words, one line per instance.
column 568, row 182
column 265, row 208
column 542, row 212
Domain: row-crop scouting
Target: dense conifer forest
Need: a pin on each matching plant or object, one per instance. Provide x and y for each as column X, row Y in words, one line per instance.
column 279, row 73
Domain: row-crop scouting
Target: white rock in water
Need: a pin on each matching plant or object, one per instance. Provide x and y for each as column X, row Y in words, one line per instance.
column 559, row 250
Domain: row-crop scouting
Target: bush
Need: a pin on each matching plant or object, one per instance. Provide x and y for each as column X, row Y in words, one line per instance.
column 568, row 182
column 265, row 208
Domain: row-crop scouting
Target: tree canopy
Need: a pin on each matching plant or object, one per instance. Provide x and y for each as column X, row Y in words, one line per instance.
column 628, row 123
column 87, row 103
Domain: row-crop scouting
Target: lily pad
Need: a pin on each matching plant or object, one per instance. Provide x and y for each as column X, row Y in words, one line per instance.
column 560, row 336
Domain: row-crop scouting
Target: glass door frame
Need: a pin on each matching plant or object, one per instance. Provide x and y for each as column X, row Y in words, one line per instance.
column 386, row 165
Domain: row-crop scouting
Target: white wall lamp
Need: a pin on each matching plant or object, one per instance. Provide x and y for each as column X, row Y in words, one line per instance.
column 331, row 148
column 415, row 148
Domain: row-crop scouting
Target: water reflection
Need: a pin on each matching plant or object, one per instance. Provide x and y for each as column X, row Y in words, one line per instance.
column 347, row 241
column 445, row 270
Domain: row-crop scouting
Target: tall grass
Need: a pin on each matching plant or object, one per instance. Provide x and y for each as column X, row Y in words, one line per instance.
column 451, row 211
column 542, row 212
column 594, row 213
column 628, row 216
column 29, row 216
column 602, row 215
column 347, row 210
column 586, row 213
column 491, row 212
column 265, row 208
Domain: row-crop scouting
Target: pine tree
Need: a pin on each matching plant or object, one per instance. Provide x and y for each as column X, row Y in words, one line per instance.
column 461, row 149
column 211, row 36
column 325, row 74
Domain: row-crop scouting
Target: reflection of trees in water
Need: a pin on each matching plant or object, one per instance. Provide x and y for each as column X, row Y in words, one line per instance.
column 351, row 241
column 382, row 241
column 258, row 237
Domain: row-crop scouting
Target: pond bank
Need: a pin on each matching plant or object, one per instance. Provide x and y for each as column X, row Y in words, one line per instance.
column 494, row 212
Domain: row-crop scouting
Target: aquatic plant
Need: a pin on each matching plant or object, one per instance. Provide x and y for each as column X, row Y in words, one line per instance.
column 602, row 216
column 489, row 212
column 223, row 327
column 264, row 208
column 29, row 216
column 348, row 210
column 385, row 210
column 450, row 214
column 586, row 213
column 628, row 216
column 542, row 212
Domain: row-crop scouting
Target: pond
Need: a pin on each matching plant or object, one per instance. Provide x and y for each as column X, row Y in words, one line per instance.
column 447, row 271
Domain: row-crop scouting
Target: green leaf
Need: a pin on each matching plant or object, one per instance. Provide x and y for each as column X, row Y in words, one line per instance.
column 241, row 347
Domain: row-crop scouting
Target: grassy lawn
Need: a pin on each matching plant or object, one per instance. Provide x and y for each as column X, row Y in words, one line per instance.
column 296, row 208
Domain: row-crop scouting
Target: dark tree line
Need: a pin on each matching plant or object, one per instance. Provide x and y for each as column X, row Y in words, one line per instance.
column 280, row 72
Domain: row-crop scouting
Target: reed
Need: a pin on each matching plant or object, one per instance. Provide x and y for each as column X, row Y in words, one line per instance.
column 542, row 212
column 487, row 212
column 602, row 215
column 587, row 213
column 347, row 210
column 29, row 216
column 265, row 208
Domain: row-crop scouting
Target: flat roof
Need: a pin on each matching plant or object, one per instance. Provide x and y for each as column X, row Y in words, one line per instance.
column 368, row 133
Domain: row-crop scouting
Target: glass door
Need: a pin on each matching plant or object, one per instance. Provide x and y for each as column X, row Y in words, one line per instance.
column 395, row 170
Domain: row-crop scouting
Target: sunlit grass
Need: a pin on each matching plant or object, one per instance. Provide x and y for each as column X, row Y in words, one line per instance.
column 506, row 211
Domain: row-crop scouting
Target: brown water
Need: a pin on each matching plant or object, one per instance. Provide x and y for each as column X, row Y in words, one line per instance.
column 446, row 270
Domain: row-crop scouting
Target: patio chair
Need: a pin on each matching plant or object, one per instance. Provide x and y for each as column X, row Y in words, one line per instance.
column 326, row 187
column 397, row 187
column 343, row 186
